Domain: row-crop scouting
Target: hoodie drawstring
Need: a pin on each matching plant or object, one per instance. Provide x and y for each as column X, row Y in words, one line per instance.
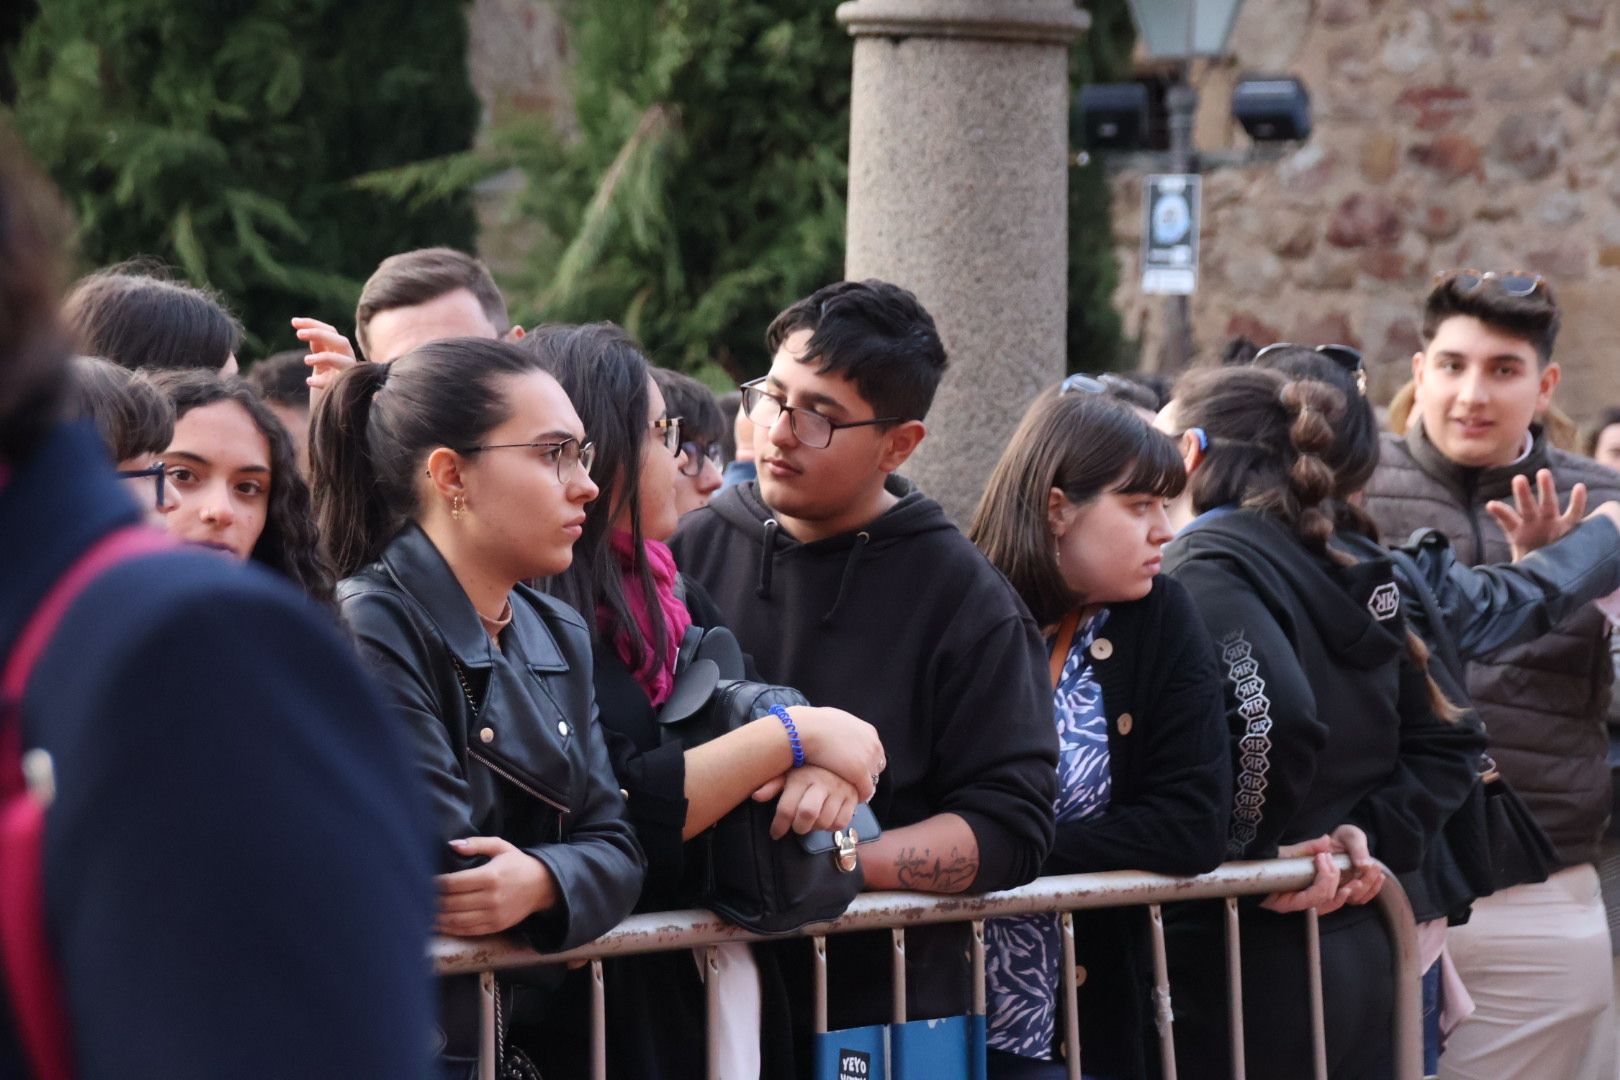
column 861, row 540
column 766, row 558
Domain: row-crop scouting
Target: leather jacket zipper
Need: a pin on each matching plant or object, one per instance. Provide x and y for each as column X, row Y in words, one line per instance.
column 512, row 778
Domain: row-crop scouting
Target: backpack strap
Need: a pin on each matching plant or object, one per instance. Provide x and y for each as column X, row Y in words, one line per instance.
column 32, row 985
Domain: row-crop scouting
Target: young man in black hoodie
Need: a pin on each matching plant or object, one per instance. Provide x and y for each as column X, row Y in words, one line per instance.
column 844, row 582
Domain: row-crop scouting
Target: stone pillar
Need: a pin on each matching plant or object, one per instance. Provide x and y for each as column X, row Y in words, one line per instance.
column 958, row 190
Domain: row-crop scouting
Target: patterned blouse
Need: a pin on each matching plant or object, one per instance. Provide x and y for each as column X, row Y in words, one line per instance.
column 1023, row 952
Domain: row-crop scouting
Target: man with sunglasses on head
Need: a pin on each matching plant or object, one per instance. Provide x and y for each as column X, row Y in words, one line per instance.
column 845, row 582
column 1535, row 957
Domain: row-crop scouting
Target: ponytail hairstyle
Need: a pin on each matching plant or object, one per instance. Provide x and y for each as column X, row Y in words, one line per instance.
column 606, row 376
column 374, row 428
column 1353, row 457
column 289, row 543
column 1085, row 445
column 1269, row 439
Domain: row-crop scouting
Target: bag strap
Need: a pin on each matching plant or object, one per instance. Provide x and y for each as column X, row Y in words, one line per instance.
column 1060, row 649
column 32, row 985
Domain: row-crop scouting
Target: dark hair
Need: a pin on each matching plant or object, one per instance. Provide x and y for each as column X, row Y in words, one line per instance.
column 1085, row 445
column 874, row 334
column 132, row 415
column 1532, row 318
column 289, row 543
column 1607, row 418
column 378, row 423
column 1268, row 437
column 1353, row 457
column 1237, row 352
column 279, row 378
column 730, row 402
column 415, row 277
column 1154, row 387
column 34, row 385
column 605, row 375
column 701, row 418
column 137, row 316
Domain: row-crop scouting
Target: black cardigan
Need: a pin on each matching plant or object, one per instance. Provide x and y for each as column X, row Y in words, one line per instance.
column 1168, row 810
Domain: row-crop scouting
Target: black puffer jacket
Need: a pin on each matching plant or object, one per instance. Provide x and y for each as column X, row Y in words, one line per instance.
column 529, row 765
column 1543, row 703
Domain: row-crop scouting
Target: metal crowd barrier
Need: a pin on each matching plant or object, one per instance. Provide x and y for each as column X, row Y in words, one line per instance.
column 671, row 930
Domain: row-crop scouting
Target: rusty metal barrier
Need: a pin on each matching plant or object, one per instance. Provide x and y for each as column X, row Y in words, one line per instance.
column 667, row 931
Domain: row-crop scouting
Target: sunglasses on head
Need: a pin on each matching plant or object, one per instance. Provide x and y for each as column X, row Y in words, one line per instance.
column 1347, row 357
column 1511, row 282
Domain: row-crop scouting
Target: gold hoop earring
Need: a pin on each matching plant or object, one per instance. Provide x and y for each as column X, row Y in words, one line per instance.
column 458, row 507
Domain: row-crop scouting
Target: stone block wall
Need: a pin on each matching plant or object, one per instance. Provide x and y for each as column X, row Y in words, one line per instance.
column 1449, row 133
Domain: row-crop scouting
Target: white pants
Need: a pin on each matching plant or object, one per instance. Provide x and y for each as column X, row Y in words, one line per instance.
column 1536, row 959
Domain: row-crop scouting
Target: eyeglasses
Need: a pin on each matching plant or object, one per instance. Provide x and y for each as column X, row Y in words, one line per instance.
column 1347, row 357
column 695, row 455
column 809, row 427
column 1513, row 282
column 567, row 455
column 669, row 430
column 158, row 471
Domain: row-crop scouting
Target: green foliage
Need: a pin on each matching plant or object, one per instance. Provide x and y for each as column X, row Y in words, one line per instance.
column 1096, row 334
column 705, row 189
column 222, row 136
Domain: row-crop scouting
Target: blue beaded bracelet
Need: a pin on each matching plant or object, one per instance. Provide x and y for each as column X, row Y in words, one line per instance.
column 793, row 735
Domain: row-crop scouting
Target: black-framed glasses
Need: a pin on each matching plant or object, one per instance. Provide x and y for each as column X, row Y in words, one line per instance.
column 158, row 471
column 697, row 452
column 669, row 432
column 1347, row 357
column 808, row 426
column 566, row 455
column 1512, row 282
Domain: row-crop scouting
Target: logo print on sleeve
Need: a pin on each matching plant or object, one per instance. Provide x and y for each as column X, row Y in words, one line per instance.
column 1254, row 749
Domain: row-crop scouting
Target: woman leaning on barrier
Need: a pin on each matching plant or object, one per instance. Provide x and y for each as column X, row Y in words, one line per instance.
column 1340, row 737
column 625, row 577
column 443, row 479
column 1075, row 517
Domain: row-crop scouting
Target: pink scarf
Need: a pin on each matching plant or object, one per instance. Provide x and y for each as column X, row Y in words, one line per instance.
column 658, row 680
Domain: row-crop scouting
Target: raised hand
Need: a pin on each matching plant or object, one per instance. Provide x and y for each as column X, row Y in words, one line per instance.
column 330, row 353
column 1534, row 521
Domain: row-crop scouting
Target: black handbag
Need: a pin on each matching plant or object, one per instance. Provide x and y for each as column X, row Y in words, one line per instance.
column 1494, row 842
column 734, row 868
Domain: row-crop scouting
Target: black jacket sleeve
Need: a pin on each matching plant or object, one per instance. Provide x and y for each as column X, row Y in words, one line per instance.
column 1488, row 608
column 598, row 868
column 239, row 868
column 1271, row 713
column 1177, row 823
column 1433, row 774
column 655, row 783
column 995, row 751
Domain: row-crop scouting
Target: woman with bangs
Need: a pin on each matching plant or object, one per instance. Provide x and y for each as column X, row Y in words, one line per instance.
column 1075, row 516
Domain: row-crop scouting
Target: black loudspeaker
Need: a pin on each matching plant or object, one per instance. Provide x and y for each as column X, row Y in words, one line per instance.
column 1274, row 109
column 1114, row 116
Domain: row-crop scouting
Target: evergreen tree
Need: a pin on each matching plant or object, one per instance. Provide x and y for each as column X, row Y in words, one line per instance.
column 222, row 136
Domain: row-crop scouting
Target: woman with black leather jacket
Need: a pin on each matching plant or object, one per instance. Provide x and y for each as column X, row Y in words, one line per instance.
column 443, row 479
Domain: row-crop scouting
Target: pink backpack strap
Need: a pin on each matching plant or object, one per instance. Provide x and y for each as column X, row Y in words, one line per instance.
column 32, row 985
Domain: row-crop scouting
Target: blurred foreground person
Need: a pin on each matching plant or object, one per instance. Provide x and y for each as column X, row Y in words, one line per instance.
column 136, row 316
column 235, row 868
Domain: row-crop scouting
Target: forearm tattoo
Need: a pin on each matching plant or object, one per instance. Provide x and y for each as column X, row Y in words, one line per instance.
column 923, row 871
